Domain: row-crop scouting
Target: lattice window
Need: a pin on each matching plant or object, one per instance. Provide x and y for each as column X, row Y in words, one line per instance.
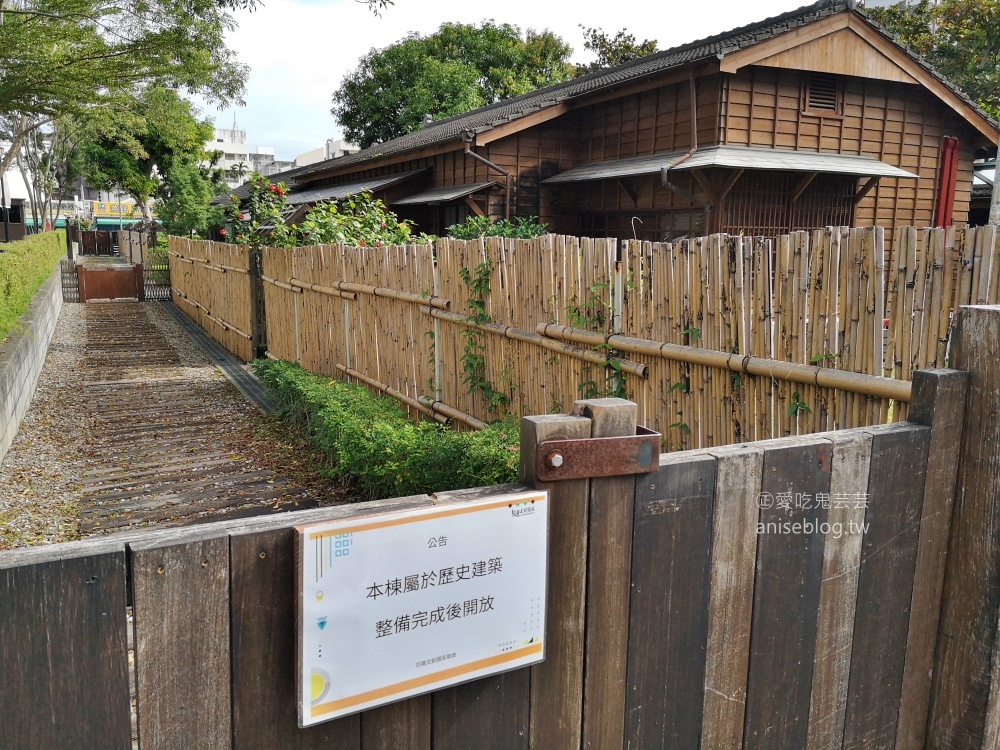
column 823, row 93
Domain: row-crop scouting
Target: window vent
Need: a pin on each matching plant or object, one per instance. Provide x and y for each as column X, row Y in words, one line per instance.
column 822, row 93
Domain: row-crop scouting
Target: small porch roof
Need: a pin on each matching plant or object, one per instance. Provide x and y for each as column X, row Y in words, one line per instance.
column 733, row 157
column 445, row 194
column 347, row 189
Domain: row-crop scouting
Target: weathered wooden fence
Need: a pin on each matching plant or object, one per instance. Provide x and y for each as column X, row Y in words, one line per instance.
column 211, row 284
column 795, row 593
column 533, row 323
column 132, row 246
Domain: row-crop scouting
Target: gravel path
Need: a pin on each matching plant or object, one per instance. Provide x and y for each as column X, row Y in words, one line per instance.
column 97, row 452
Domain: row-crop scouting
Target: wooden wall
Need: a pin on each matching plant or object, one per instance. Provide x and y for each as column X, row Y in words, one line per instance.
column 900, row 124
column 649, row 122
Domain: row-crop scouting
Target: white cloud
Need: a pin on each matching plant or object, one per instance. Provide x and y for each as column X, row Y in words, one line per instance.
column 300, row 50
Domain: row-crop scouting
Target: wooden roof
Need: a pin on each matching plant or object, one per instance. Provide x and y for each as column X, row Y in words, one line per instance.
column 734, row 157
column 445, row 194
column 347, row 189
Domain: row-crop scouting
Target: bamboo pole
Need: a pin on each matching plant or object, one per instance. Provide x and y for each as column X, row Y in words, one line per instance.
column 452, row 412
column 323, row 289
column 852, row 382
column 376, row 291
column 516, row 334
column 281, row 284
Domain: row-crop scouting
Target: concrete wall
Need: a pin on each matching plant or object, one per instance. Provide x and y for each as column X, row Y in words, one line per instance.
column 22, row 357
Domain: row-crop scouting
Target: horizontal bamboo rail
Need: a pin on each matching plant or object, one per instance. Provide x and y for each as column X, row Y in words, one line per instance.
column 452, row 412
column 224, row 269
column 179, row 257
column 377, row 291
column 852, row 382
column 516, row 334
column 281, row 284
column 422, row 408
column 324, row 290
column 208, row 314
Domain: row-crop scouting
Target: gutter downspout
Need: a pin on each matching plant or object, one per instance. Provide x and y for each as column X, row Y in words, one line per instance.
column 994, row 218
column 467, row 136
column 665, row 171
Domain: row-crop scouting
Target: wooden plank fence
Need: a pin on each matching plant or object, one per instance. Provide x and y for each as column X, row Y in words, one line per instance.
column 686, row 609
column 495, row 327
column 132, row 246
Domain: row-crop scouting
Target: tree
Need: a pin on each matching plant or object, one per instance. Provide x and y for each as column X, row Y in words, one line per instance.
column 65, row 57
column 458, row 68
column 612, row 50
column 133, row 150
column 49, row 162
column 185, row 200
column 960, row 38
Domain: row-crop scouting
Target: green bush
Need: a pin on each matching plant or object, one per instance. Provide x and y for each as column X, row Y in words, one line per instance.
column 520, row 228
column 24, row 266
column 369, row 441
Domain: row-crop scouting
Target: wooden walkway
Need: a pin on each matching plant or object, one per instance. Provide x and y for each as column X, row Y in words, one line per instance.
column 166, row 453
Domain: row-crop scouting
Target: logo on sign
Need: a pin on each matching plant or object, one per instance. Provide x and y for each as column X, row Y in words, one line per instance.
column 522, row 509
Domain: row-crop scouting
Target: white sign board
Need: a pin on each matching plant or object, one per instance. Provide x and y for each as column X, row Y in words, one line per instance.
column 399, row 604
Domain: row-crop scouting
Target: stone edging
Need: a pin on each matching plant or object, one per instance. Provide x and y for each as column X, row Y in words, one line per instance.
column 22, row 357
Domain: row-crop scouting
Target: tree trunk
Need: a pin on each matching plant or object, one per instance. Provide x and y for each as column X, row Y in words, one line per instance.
column 15, row 145
column 31, row 191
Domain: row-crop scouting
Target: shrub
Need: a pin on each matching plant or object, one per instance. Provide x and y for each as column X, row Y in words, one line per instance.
column 359, row 220
column 520, row 228
column 24, row 266
column 369, row 441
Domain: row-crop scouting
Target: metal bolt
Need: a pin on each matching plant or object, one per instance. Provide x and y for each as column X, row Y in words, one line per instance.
column 556, row 460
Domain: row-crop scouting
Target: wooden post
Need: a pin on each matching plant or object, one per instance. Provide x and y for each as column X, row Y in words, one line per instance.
column 965, row 702
column 609, row 570
column 939, row 403
column 180, row 589
column 63, row 651
column 258, row 325
column 557, row 683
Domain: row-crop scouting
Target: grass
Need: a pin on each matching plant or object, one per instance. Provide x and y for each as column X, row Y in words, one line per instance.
column 24, row 266
column 369, row 441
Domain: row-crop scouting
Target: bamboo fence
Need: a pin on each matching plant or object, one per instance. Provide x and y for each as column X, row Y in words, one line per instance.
column 719, row 339
column 210, row 283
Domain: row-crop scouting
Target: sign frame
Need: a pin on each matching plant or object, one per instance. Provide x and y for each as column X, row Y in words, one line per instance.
column 475, row 657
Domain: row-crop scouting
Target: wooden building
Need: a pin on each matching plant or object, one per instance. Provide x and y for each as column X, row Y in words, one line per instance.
column 812, row 118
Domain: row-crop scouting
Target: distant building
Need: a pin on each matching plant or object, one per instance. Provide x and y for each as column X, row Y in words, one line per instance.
column 330, row 150
column 276, row 167
column 232, row 144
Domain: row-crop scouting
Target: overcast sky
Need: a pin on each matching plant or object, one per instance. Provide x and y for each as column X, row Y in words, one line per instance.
column 300, row 50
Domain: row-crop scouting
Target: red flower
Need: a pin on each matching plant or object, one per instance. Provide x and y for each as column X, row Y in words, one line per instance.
column 222, row 232
column 361, row 243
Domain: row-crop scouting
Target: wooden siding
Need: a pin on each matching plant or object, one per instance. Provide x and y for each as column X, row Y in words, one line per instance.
column 532, row 156
column 897, row 123
column 650, row 122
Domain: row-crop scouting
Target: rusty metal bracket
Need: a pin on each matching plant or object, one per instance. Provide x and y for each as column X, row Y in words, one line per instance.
column 598, row 457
